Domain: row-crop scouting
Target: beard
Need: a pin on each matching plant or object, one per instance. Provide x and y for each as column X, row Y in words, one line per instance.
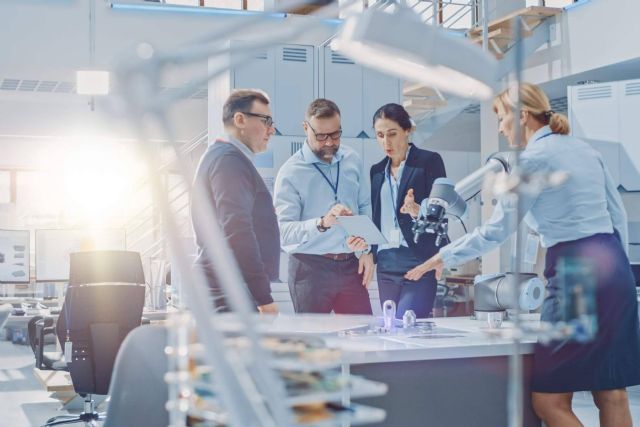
column 326, row 153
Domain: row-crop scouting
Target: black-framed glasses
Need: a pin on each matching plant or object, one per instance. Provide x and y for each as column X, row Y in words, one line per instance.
column 267, row 120
column 324, row 136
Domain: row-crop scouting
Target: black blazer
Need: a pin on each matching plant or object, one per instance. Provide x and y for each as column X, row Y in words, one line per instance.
column 421, row 169
column 245, row 213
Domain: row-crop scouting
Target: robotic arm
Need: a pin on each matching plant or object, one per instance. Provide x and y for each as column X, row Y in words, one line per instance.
column 447, row 198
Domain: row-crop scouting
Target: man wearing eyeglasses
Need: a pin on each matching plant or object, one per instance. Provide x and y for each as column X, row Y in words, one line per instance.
column 241, row 202
column 320, row 182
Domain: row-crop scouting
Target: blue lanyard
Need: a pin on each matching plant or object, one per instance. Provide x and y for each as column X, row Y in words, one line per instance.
column 393, row 197
column 333, row 187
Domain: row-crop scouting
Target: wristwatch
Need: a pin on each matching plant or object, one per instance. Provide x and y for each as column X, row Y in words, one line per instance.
column 321, row 228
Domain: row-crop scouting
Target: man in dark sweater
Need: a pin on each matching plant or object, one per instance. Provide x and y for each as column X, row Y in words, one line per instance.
column 240, row 199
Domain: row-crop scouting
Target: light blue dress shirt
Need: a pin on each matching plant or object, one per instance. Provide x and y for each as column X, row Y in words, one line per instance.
column 302, row 196
column 389, row 200
column 586, row 203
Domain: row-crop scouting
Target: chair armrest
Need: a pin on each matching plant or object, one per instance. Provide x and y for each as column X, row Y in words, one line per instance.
column 38, row 328
column 34, row 333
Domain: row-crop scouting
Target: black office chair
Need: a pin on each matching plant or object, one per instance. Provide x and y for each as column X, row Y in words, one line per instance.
column 96, row 319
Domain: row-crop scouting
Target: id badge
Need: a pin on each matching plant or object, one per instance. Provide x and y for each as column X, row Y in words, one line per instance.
column 68, row 351
column 395, row 237
column 531, row 248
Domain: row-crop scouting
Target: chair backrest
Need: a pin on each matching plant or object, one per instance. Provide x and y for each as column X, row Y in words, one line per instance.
column 89, row 267
column 97, row 320
column 138, row 390
column 105, row 266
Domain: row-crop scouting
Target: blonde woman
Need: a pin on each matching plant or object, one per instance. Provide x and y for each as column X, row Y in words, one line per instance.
column 582, row 217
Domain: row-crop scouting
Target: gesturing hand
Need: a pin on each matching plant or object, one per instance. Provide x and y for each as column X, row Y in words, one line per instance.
column 410, row 206
column 433, row 263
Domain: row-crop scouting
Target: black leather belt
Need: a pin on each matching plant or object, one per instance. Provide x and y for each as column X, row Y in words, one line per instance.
column 338, row 257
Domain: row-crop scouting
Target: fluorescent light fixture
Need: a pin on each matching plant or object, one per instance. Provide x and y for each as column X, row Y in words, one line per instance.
column 400, row 44
column 92, row 82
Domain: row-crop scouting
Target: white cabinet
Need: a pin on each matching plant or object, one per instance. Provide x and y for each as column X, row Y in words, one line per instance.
column 357, row 90
column 295, row 88
column 378, row 89
column 371, row 153
column 341, row 82
column 594, row 111
column 630, row 134
column 258, row 72
column 356, row 145
column 608, row 113
column 286, row 73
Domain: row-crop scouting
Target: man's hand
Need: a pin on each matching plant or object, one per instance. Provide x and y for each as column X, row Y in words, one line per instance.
column 356, row 243
column 270, row 308
column 433, row 263
column 329, row 219
column 410, row 206
column 366, row 266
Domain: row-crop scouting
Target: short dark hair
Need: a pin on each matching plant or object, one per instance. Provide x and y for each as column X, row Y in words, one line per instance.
column 322, row 109
column 394, row 112
column 241, row 100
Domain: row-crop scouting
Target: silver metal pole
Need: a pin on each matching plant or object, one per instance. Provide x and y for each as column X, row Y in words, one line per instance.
column 515, row 389
column 436, row 10
column 485, row 25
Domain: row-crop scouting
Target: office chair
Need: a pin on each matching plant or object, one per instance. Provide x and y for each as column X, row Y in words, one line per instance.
column 96, row 319
column 85, row 268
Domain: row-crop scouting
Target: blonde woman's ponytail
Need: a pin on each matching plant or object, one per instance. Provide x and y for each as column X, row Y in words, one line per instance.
column 535, row 101
column 559, row 123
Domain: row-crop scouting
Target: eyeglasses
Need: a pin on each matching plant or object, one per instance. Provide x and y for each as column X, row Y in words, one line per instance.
column 324, row 136
column 267, row 120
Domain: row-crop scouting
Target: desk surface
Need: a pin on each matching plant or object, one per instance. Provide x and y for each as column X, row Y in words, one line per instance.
column 21, row 321
column 455, row 337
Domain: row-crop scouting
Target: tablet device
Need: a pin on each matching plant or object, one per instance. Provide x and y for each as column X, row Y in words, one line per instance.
column 362, row 226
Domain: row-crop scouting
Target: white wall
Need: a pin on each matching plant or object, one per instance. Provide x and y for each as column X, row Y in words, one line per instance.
column 45, row 40
column 69, row 115
column 590, row 36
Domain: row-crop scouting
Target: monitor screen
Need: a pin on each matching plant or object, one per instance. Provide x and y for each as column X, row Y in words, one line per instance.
column 14, row 256
column 54, row 246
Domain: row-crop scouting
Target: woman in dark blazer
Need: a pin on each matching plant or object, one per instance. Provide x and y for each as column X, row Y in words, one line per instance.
column 406, row 172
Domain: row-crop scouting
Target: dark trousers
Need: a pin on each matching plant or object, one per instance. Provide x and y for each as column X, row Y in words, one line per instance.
column 217, row 295
column 408, row 295
column 320, row 285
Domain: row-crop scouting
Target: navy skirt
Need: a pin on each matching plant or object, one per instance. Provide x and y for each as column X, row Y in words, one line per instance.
column 612, row 359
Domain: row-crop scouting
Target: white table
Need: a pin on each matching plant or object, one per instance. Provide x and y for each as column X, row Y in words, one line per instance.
column 442, row 382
